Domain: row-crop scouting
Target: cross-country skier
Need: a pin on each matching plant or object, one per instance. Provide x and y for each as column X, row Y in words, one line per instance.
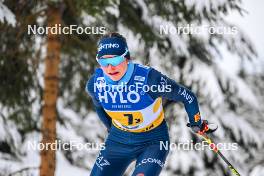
column 128, row 100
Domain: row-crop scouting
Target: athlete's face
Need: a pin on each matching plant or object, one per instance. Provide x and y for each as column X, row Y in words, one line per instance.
column 115, row 72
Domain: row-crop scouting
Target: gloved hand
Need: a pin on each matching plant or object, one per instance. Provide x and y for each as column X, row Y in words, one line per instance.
column 203, row 128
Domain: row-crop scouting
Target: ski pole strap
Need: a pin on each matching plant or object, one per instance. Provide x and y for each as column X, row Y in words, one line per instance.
column 203, row 128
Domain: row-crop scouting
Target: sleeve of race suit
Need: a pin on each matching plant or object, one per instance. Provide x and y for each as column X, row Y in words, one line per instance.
column 173, row 91
column 98, row 108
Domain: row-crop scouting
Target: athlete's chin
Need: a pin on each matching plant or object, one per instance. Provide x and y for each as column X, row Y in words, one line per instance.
column 115, row 77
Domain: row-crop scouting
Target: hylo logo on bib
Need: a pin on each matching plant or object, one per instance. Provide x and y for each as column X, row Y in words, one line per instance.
column 130, row 97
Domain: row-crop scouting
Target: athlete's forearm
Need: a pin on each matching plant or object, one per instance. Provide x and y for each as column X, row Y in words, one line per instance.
column 98, row 108
column 103, row 117
column 177, row 93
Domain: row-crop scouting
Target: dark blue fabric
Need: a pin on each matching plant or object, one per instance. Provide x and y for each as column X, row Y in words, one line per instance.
column 115, row 158
column 133, row 71
column 157, row 134
column 178, row 94
column 112, row 46
column 98, row 108
column 123, row 147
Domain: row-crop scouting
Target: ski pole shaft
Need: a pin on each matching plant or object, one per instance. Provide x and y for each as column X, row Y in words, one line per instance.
column 215, row 149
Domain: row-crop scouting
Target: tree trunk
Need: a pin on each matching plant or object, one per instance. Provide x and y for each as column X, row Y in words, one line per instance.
column 51, row 81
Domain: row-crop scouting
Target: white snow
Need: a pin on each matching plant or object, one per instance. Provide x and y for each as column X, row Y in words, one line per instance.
column 6, row 14
column 63, row 167
column 257, row 171
column 242, row 129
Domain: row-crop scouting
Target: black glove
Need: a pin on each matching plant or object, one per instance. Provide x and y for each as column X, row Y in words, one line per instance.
column 203, row 128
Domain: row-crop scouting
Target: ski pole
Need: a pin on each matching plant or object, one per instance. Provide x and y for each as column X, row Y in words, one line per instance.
column 215, row 149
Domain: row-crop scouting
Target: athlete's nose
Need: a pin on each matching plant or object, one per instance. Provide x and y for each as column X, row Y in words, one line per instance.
column 110, row 67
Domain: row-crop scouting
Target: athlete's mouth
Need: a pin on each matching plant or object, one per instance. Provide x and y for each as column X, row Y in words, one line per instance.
column 113, row 73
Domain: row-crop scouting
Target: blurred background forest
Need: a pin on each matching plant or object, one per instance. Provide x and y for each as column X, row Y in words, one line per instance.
column 226, row 72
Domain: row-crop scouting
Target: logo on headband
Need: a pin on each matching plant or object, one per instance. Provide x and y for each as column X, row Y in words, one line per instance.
column 108, row 46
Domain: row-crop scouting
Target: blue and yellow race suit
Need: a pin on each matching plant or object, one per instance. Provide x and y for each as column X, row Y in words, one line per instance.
column 132, row 111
